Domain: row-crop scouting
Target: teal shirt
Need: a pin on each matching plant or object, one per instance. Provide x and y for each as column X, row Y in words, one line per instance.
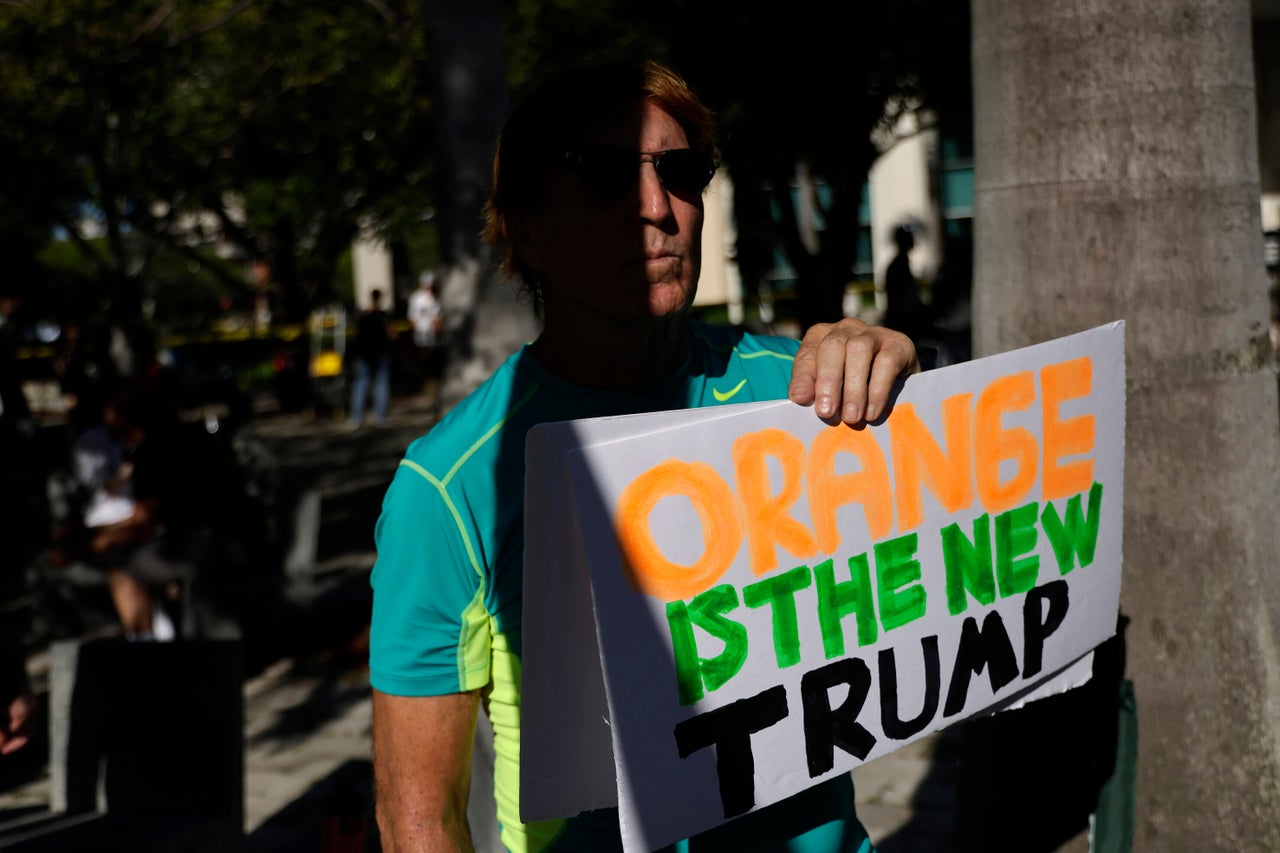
column 448, row 579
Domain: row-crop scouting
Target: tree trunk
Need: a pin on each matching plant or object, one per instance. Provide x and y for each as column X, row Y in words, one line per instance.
column 1117, row 178
column 483, row 320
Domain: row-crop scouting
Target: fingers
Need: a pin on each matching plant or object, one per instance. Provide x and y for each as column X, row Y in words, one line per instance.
column 12, row 743
column 858, row 356
column 848, row 369
column 804, row 370
column 20, row 716
column 895, row 359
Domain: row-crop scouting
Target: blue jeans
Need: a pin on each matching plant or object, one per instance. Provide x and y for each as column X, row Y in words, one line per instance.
column 381, row 375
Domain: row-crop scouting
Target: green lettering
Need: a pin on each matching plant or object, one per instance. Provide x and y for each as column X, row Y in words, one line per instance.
column 695, row 675
column 902, row 597
column 1079, row 536
column 837, row 600
column 780, row 592
column 968, row 565
column 1016, row 535
column 685, row 650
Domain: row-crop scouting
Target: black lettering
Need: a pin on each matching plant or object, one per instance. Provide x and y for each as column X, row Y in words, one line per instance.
column 895, row 727
column 1038, row 625
column 825, row 728
column 729, row 729
column 979, row 649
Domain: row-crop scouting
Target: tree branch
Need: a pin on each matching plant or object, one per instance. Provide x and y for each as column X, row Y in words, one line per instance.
column 212, row 25
column 383, row 9
column 234, row 231
column 157, row 18
column 192, row 253
column 86, row 248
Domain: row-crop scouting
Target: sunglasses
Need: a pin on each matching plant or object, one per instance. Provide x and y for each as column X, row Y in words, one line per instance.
column 610, row 170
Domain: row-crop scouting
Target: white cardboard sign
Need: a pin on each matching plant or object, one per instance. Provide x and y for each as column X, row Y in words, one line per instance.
column 726, row 606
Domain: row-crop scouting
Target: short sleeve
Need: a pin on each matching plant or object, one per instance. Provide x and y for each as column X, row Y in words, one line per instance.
column 430, row 631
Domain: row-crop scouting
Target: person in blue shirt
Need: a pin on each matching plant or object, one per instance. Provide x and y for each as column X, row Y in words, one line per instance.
column 597, row 209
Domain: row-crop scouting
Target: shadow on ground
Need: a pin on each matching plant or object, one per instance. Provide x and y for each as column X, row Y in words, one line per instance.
column 342, row 802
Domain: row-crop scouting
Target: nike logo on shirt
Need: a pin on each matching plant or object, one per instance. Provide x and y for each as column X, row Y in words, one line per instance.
column 722, row 396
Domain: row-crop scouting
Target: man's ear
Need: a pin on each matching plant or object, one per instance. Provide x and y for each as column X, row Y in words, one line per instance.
column 524, row 243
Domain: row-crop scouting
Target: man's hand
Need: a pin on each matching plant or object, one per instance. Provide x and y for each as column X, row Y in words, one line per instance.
column 847, row 369
column 15, row 728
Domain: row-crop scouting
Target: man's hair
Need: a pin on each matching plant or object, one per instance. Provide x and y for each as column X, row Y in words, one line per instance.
column 555, row 118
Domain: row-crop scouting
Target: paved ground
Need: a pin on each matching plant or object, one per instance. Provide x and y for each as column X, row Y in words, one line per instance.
column 307, row 708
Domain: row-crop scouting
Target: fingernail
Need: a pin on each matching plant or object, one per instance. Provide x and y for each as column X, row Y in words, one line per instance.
column 872, row 411
column 826, row 406
column 851, row 413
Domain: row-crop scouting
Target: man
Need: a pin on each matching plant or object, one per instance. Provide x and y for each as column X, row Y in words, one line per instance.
column 17, row 705
column 907, row 312
column 597, row 204
column 373, row 361
column 116, row 525
column 425, row 312
column 17, row 478
column 427, row 316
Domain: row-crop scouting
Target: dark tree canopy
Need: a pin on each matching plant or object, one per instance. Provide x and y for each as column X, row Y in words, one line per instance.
column 143, row 130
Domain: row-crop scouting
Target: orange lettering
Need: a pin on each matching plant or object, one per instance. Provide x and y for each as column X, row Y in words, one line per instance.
column 646, row 568
column 993, row 444
column 769, row 523
column 919, row 461
column 1069, row 380
column 828, row 491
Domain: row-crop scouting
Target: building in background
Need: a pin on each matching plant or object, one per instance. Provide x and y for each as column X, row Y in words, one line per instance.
column 720, row 282
column 924, row 178
column 372, row 269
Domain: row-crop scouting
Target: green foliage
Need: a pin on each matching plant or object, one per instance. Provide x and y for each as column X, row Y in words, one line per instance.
column 143, row 130
column 421, row 246
column 344, row 278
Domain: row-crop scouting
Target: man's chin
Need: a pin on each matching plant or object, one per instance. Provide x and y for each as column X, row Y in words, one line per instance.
column 670, row 300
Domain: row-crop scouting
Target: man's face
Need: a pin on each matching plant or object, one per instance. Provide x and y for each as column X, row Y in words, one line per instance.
column 625, row 258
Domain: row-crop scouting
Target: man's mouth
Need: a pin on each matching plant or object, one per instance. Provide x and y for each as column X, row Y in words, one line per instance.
column 659, row 256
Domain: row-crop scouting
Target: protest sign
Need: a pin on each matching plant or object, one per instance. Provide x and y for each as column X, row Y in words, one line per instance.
column 726, row 606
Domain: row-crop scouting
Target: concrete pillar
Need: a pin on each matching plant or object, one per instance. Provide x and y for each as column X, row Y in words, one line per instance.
column 150, row 730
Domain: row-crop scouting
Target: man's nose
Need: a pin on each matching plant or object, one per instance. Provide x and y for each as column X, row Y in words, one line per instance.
column 655, row 204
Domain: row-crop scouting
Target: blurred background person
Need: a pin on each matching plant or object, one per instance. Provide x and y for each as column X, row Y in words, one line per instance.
column 114, row 525
column 17, row 705
column 906, row 313
column 426, row 315
column 20, row 475
column 372, row 350
column 425, row 312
